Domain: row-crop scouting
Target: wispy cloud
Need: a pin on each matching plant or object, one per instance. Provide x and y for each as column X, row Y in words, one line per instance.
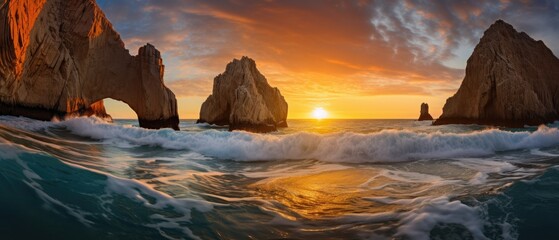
column 324, row 48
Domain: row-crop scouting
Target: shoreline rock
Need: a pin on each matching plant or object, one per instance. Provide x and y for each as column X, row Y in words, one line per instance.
column 424, row 113
column 62, row 58
column 511, row 80
column 242, row 99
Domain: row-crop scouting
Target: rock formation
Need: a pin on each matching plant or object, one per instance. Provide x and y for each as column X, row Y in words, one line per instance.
column 424, row 114
column 60, row 58
column 511, row 80
column 243, row 99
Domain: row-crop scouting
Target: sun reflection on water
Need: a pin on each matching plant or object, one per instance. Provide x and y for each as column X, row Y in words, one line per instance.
column 337, row 193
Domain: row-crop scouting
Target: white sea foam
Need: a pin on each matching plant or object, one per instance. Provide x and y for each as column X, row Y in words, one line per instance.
column 136, row 190
column 390, row 200
column 130, row 188
column 25, row 123
column 484, row 167
column 539, row 152
column 418, row 223
column 383, row 146
column 429, row 213
column 11, row 153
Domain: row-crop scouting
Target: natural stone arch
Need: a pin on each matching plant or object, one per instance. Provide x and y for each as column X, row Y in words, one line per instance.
column 61, row 57
column 140, row 86
column 109, row 109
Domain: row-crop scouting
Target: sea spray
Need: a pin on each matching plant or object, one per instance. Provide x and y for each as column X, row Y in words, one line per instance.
column 100, row 180
column 382, row 146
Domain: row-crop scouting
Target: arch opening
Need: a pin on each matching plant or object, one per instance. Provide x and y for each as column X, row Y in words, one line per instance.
column 113, row 109
column 119, row 109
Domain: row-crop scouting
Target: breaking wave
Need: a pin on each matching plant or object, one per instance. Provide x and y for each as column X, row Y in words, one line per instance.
column 382, row 146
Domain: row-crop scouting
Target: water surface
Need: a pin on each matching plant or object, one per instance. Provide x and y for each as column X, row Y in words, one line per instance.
column 329, row 179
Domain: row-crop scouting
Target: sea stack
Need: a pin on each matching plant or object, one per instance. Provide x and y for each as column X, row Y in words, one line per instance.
column 243, row 100
column 511, row 80
column 424, row 113
column 60, row 58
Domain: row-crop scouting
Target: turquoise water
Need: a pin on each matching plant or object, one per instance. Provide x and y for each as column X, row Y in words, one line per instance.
column 331, row 179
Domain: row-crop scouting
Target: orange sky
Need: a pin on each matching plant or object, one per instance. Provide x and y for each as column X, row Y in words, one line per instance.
column 356, row 59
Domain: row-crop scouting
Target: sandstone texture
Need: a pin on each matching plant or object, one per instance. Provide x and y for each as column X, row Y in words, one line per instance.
column 60, row 57
column 424, row 113
column 511, row 80
column 243, row 100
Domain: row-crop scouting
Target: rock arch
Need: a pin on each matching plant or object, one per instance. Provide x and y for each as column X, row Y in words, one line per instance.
column 61, row 57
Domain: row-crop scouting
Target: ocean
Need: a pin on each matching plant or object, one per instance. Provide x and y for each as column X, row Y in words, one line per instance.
column 330, row 179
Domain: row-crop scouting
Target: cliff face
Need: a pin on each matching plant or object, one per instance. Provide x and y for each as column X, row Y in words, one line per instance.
column 243, row 99
column 424, row 113
column 511, row 80
column 60, row 57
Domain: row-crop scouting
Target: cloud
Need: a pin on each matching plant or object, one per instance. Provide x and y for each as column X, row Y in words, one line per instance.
column 327, row 48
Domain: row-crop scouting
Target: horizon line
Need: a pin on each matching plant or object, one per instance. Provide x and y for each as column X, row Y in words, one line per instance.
column 303, row 119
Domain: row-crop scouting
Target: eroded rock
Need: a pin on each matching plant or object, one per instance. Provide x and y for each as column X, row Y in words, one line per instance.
column 424, row 113
column 60, row 57
column 511, row 80
column 243, row 99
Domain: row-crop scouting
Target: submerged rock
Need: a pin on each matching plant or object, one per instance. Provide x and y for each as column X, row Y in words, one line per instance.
column 60, row 58
column 511, row 80
column 424, row 114
column 243, row 99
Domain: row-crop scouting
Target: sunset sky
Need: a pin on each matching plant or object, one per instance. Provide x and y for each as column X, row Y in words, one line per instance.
column 355, row 59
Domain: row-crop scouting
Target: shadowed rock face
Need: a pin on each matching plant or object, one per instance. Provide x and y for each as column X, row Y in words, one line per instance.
column 424, row 114
column 243, row 99
column 511, row 80
column 60, row 58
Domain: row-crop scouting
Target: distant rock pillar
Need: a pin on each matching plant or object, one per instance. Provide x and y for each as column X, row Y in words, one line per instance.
column 424, row 113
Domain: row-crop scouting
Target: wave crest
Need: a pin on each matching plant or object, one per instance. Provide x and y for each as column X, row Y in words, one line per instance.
column 383, row 146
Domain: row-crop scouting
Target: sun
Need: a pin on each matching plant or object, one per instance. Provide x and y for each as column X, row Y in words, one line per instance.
column 319, row 113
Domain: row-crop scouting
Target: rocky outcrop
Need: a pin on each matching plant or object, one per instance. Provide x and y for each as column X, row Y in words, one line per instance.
column 243, row 99
column 60, row 58
column 511, row 80
column 424, row 113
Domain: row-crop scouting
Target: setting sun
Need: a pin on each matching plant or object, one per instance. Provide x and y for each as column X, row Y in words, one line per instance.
column 319, row 113
column 344, row 119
